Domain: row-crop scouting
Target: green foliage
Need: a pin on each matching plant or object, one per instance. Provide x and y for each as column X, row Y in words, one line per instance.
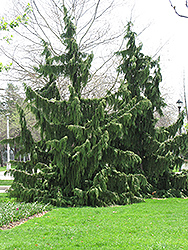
column 21, row 19
column 101, row 151
column 72, row 64
column 6, row 26
column 141, row 72
column 7, row 67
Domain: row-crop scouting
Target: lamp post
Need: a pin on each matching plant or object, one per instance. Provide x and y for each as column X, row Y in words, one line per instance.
column 8, row 146
column 179, row 105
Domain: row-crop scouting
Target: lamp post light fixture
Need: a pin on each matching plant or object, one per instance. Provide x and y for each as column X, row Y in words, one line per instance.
column 179, row 105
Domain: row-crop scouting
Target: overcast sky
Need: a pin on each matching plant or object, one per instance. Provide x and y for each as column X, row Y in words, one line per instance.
column 167, row 34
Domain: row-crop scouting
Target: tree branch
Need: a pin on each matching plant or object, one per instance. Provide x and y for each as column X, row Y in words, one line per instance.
column 174, row 7
column 93, row 19
column 46, row 24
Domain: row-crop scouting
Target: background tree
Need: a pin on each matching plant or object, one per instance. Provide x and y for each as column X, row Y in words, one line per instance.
column 46, row 24
column 184, row 89
column 8, row 106
column 12, row 95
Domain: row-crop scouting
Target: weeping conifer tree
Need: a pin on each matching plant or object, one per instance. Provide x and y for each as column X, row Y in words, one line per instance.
column 98, row 151
column 160, row 149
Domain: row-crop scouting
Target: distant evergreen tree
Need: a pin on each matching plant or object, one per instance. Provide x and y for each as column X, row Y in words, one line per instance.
column 98, row 151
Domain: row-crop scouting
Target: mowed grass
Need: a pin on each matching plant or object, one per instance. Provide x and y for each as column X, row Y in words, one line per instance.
column 5, row 198
column 6, row 182
column 155, row 224
column 3, row 168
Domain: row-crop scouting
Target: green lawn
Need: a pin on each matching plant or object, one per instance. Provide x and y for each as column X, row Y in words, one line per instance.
column 4, row 197
column 3, row 168
column 155, row 224
column 6, row 182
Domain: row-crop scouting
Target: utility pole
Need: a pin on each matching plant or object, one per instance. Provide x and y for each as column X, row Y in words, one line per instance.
column 8, row 146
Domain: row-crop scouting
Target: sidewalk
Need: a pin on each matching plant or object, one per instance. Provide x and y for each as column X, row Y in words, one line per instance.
column 5, row 177
column 3, row 189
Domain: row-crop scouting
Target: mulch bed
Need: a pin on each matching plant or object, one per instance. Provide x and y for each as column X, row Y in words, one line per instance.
column 17, row 223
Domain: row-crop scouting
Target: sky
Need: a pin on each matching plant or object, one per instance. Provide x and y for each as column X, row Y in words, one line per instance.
column 164, row 33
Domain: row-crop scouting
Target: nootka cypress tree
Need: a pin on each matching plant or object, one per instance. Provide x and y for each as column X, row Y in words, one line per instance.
column 98, row 151
column 159, row 148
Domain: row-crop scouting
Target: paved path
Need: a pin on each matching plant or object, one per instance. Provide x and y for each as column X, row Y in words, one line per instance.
column 4, row 188
column 4, row 177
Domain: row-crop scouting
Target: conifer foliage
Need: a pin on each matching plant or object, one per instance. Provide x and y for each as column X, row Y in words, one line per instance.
column 98, row 151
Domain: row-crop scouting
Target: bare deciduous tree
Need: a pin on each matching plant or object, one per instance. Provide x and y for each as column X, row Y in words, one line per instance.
column 93, row 20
